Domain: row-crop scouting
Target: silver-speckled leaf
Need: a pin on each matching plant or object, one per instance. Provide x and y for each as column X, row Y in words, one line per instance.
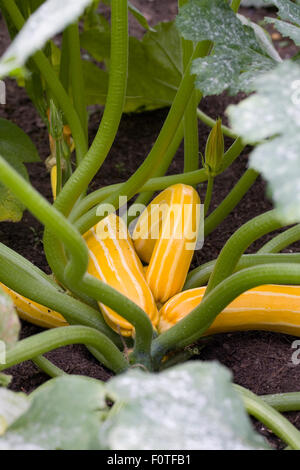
column 274, row 112
column 222, row 70
column 189, row 407
column 51, row 18
column 286, row 29
column 240, row 50
column 65, row 413
column 287, row 10
column 12, row 405
column 9, row 321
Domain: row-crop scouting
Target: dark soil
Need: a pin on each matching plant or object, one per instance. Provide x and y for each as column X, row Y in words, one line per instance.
column 260, row 361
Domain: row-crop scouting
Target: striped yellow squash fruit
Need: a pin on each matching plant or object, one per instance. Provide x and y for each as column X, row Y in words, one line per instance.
column 113, row 260
column 165, row 236
column 270, row 307
column 34, row 312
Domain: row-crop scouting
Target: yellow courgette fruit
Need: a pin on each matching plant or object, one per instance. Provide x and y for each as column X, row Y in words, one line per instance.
column 113, row 260
column 54, row 181
column 165, row 236
column 34, row 312
column 269, row 307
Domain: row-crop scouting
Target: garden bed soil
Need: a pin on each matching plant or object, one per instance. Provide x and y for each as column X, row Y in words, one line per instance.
column 260, row 361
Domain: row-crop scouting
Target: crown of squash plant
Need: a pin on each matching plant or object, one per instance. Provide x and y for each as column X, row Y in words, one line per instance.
column 129, row 295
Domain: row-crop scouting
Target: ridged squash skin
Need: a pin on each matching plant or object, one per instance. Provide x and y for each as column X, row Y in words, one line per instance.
column 270, row 307
column 113, row 260
column 34, row 312
column 165, row 237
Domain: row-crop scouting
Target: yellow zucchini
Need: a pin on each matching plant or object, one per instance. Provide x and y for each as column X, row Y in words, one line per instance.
column 34, row 312
column 165, row 237
column 113, row 260
column 270, row 307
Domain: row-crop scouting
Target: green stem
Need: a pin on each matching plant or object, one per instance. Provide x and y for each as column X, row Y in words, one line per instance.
column 235, row 5
column 145, row 197
column 209, row 191
column 76, row 76
column 283, row 401
column 230, row 201
column 193, row 326
column 75, row 270
column 150, row 165
column 88, row 219
column 64, row 62
column 282, row 241
column 53, row 83
column 190, row 120
column 212, row 122
column 46, row 341
column 105, row 136
column 47, row 367
column 271, row 418
column 200, row 276
column 21, row 276
column 238, row 243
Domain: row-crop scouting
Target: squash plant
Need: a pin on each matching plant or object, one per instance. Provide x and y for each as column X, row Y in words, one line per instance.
column 118, row 324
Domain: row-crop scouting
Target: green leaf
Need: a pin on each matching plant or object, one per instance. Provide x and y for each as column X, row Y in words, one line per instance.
column 273, row 113
column 287, row 10
column 255, row 3
column 136, row 13
column 290, row 12
column 9, row 322
column 189, row 407
column 48, row 20
column 12, row 406
column 286, row 29
column 139, row 17
column 154, row 67
column 240, row 50
column 16, row 144
column 65, row 413
column 16, row 147
column 216, row 73
column 5, row 380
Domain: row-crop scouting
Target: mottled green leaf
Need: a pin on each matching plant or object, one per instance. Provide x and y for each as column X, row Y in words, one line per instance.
column 274, row 113
column 188, row 407
column 12, row 406
column 288, row 10
column 240, row 53
column 216, row 73
column 286, row 29
column 65, row 413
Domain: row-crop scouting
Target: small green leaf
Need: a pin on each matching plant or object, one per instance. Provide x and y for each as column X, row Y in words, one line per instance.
column 5, row 380
column 65, row 413
column 273, row 113
column 14, row 142
column 48, row 20
column 189, row 407
column 16, row 147
column 139, row 17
